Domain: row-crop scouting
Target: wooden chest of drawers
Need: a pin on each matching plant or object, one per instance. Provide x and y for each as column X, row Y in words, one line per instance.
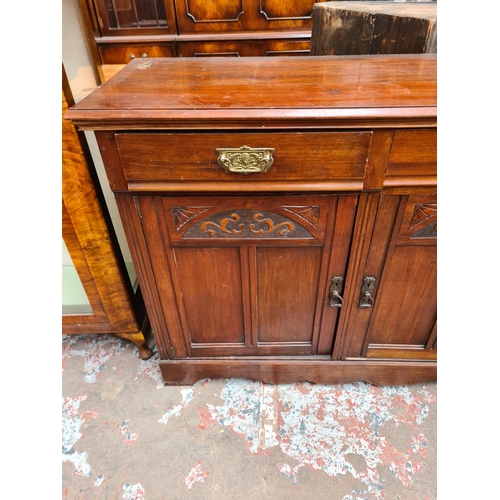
column 281, row 212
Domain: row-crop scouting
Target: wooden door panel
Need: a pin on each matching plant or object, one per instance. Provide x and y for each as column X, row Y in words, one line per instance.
column 249, row 275
column 286, row 294
column 209, row 16
column 409, row 276
column 210, row 282
column 400, row 322
column 195, row 16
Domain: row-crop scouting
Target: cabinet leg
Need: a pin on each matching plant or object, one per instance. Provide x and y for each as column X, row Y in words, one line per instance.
column 138, row 339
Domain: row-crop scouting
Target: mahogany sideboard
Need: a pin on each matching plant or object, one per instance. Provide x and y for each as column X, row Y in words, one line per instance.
column 281, row 212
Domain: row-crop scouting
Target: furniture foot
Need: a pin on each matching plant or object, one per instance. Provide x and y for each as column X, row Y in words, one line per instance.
column 138, row 339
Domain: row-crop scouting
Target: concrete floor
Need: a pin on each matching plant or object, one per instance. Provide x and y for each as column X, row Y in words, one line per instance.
column 128, row 437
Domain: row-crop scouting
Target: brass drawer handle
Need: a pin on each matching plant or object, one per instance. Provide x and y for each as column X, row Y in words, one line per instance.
column 366, row 299
column 335, row 288
column 245, row 160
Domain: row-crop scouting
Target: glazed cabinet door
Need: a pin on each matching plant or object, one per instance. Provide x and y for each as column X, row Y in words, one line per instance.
column 396, row 291
column 248, row 275
column 135, row 17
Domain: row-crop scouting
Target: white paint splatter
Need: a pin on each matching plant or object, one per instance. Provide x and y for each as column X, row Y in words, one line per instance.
column 320, row 426
column 71, row 423
column 291, row 472
column 196, row 474
column 187, row 396
column 133, row 492
column 98, row 349
column 129, row 437
column 150, row 368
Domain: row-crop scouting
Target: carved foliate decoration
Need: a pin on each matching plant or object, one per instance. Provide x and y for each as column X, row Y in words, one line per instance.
column 421, row 213
column 308, row 214
column 183, row 215
column 247, row 224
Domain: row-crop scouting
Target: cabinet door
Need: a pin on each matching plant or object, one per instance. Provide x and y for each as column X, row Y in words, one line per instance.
column 395, row 317
column 248, row 275
column 135, row 17
column 202, row 16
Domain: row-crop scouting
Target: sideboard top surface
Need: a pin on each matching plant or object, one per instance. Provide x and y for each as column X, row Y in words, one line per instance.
column 163, row 92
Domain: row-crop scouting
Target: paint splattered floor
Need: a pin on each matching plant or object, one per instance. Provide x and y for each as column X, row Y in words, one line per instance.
column 128, row 437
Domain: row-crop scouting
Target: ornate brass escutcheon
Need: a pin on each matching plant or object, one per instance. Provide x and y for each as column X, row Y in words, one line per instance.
column 335, row 288
column 366, row 299
column 245, row 160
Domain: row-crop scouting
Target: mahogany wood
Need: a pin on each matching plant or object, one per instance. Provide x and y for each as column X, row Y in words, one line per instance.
column 323, row 156
column 123, row 54
column 237, row 270
column 236, row 47
column 287, row 371
column 193, row 28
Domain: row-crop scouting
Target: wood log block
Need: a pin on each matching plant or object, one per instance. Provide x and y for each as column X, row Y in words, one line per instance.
column 350, row 28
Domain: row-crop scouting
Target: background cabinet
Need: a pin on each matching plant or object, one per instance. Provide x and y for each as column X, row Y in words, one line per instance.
column 120, row 30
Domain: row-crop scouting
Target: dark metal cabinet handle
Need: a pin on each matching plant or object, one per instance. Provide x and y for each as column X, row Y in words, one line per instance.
column 366, row 299
column 335, row 288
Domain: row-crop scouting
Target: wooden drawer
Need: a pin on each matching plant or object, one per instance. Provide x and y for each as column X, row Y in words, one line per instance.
column 245, row 48
column 298, row 157
column 122, row 54
column 214, row 48
column 413, row 157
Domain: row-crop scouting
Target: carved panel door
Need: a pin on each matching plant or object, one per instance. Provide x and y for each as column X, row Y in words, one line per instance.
column 249, row 275
column 396, row 314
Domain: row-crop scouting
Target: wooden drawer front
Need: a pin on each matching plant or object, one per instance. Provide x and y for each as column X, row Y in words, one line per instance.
column 413, row 156
column 181, row 157
column 122, row 54
column 245, row 48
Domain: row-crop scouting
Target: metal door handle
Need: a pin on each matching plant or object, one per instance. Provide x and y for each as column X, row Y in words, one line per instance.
column 335, row 288
column 366, row 299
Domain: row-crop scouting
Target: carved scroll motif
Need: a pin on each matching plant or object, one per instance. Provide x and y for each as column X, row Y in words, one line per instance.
column 247, row 224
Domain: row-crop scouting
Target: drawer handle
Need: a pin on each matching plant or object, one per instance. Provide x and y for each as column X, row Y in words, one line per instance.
column 245, row 160
column 366, row 299
column 335, row 288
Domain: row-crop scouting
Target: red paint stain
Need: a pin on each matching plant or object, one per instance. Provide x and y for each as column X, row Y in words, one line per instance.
column 320, row 415
column 303, row 388
column 206, row 418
